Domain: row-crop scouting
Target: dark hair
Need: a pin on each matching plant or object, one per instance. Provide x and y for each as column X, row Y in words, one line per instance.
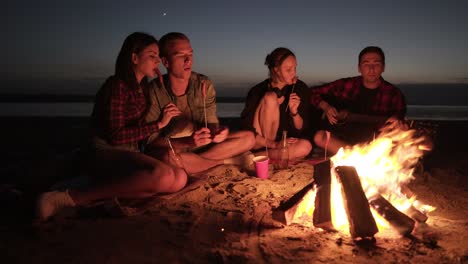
column 166, row 40
column 134, row 43
column 372, row 49
column 277, row 56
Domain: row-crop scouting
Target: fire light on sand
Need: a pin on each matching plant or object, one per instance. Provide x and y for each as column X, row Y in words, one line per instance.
column 384, row 166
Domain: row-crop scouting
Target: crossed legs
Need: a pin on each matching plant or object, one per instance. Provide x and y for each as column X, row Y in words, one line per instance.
column 266, row 123
column 215, row 154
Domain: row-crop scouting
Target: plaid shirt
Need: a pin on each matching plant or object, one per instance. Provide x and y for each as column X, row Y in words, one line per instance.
column 118, row 114
column 389, row 100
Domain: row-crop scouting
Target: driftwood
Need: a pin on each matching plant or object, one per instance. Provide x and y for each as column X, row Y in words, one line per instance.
column 361, row 222
column 322, row 210
column 400, row 221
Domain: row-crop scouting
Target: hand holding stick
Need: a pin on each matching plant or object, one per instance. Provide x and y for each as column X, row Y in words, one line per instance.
column 292, row 90
column 176, row 157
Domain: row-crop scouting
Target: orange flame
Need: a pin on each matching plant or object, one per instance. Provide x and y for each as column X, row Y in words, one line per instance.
column 383, row 165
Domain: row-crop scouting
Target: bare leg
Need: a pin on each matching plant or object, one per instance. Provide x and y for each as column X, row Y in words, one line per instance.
column 320, row 139
column 297, row 150
column 266, row 118
column 116, row 174
column 236, row 143
column 194, row 163
column 130, row 175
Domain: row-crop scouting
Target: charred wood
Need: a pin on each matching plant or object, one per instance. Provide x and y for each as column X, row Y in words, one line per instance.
column 361, row 222
column 285, row 212
column 322, row 211
column 399, row 221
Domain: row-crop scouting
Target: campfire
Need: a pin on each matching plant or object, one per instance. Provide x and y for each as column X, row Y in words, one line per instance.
column 363, row 189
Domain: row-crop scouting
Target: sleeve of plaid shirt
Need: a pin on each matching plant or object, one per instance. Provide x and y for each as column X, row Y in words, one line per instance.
column 336, row 88
column 125, row 127
column 211, row 115
column 398, row 103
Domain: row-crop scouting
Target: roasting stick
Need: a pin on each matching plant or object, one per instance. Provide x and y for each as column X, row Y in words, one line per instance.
column 204, row 101
column 292, row 90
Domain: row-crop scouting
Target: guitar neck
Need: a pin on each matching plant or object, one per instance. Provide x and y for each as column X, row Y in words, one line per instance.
column 368, row 119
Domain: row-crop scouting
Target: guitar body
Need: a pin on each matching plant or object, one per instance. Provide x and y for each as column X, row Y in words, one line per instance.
column 352, row 127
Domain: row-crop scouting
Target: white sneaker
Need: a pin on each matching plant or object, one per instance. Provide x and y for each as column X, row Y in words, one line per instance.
column 50, row 203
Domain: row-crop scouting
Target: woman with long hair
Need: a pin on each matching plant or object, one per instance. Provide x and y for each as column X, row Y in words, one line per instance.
column 118, row 166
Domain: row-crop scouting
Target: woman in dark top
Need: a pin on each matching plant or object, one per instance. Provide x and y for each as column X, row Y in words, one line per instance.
column 279, row 103
column 118, row 166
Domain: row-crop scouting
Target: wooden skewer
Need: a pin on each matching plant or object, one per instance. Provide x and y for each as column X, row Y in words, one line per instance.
column 292, row 90
column 170, row 146
column 204, row 102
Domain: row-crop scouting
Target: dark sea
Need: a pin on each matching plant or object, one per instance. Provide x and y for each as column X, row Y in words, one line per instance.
column 225, row 110
column 425, row 102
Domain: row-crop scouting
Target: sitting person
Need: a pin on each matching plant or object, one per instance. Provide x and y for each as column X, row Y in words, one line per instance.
column 279, row 104
column 369, row 96
column 185, row 101
column 117, row 166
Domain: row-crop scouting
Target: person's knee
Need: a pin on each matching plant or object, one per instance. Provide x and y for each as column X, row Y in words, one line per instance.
column 249, row 139
column 162, row 178
column 180, row 180
column 245, row 138
column 320, row 138
column 304, row 148
column 270, row 99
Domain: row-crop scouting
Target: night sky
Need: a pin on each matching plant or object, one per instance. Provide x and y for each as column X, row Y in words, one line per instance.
column 71, row 46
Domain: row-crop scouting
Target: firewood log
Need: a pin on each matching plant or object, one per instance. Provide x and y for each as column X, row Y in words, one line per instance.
column 398, row 220
column 361, row 222
column 285, row 212
column 322, row 210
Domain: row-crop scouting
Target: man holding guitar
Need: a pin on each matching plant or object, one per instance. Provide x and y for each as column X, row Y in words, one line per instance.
column 357, row 107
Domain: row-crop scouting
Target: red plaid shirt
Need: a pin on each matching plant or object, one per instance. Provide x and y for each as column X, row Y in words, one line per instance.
column 389, row 100
column 118, row 113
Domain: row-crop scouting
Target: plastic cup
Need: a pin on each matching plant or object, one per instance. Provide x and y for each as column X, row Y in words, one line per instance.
column 261, row 166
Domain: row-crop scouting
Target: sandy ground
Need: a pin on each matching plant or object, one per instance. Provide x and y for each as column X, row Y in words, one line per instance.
column 226, row 217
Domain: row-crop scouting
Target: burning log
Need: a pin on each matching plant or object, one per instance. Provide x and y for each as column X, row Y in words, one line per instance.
column 412, row 211
column 322, row 210
column 416, row 214
column 401, row 222
column 285, row 212
column 361, row 221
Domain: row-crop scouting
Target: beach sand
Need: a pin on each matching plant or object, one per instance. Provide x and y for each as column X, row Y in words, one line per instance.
column 223, row 217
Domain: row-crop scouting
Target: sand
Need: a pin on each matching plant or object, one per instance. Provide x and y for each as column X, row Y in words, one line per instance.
column 226, row 217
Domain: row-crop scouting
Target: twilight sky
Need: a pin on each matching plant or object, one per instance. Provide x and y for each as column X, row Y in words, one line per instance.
column 71, row 46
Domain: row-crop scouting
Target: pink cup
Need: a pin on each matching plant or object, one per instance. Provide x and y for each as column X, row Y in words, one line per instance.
column 261, row 166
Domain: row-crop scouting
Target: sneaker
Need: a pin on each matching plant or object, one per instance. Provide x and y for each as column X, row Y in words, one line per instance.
column 50, row 203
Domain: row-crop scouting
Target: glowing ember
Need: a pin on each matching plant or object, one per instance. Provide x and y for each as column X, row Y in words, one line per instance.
column 383, row 165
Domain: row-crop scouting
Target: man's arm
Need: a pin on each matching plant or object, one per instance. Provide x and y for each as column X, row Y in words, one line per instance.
column 210, row 102
column 399, row 103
